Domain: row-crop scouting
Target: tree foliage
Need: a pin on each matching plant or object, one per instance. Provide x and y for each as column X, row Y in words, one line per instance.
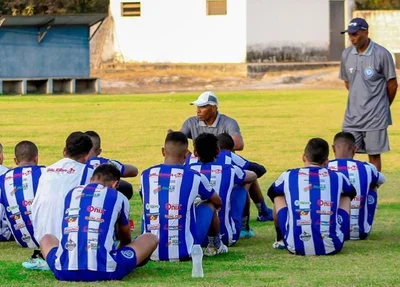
column 33, row 7
column 377, row 4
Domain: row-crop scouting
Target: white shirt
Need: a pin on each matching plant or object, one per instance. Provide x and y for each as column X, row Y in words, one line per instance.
column 56, row 181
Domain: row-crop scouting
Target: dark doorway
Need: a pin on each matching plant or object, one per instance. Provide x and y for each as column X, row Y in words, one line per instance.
column 336, row 25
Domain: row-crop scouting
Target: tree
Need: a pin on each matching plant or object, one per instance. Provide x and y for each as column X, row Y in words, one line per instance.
column 377, row 4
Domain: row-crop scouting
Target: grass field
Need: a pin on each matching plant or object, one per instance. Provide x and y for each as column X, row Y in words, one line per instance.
column 275, row 125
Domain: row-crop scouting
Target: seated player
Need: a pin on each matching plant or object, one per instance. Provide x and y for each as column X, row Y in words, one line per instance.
column 364, row 177
column 309, row 202
column 169, row 191
column 17, row 191
column 86, row 250
column 95, row 160
column 227, row 181
column 56, row 180
column 5, row 231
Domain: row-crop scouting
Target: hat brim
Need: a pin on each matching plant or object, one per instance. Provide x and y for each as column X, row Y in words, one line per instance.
column 353, row 30
column 202, row 104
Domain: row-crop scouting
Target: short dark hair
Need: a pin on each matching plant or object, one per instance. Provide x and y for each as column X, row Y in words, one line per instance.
column 345, row 137
column 78, row 144
column 225, row 141
column 206, row 146
column 317, row 150
column 176, row 144
column 95, row 139
column 107, row 172
column 177, row 137
column 26, row 151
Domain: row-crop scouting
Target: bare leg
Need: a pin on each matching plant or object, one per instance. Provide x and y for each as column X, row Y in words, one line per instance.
column 47, row 243
column 144, row 246
column 375, row 159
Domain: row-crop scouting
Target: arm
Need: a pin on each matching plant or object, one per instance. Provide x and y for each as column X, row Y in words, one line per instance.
column 122, row 225
column 345, row 203
column 186, row 128
column 239, row 143
column 343, row 72
column 257, row 168
column 347, row 85
column 215, row 200
column 392, row 89
column 130, row 171
column 232, row 128
column 250, row 176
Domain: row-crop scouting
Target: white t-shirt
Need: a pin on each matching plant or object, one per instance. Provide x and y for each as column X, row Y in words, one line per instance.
column 56, row 181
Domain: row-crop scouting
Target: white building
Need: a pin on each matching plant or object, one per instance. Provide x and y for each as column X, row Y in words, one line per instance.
column 222, row 31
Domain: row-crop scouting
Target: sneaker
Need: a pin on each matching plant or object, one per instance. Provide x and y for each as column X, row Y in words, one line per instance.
column 36, row 264
column 266, row 217
column 212, row 250
column 279, row 245
column 246, row 234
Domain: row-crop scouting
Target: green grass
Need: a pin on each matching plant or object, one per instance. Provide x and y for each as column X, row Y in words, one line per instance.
column 275, row 125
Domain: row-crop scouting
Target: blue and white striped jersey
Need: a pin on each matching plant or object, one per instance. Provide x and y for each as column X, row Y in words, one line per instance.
column 168, row 193
column 224, row 157
column 94, row 162
column 17, row 191
column 90, row 215
column 5, row 232
column 222, row 179
column 361, row 175
column 313, row 195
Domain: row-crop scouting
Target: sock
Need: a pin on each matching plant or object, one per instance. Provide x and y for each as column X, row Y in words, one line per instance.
column 279, row 235
column 215, row 241
column 245, row 223
column 262, row 208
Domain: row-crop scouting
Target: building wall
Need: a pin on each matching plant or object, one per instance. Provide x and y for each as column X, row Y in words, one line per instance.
column 64, row 52
column 287, row 30
column 384, row 28
column 179, row 31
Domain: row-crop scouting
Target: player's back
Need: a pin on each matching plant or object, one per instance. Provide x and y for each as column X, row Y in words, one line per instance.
column 90, row 215
column 313, row 195
column 222, row 177
column 361, row 175
column 94, row 162
column 168, row 193
column 17, row 190
column 224, row 157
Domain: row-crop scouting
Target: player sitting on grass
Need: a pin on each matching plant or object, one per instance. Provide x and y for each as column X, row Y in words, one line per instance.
column 308, row 202
column 364, row 177
column 227, row 180
column 86, row 251
column 17, row 190
column 126, row 170
column 169, row 191
column 56, row 180
column 5, row 231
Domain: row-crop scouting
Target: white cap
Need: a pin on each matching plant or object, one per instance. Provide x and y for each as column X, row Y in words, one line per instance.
column 206, row 98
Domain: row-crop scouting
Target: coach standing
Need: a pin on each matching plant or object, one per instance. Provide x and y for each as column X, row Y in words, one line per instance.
column 368, row 72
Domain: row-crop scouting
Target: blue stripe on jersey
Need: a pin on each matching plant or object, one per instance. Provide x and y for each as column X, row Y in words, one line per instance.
column 163, row 183
column 335, row 198
column 364, row 190
column 294, row 182
column 84, row 175
column 64, row 258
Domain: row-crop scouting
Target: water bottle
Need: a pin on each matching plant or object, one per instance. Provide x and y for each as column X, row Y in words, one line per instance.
column 197, row 261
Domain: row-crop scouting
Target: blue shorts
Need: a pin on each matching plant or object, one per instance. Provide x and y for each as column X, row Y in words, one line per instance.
column 126, row 263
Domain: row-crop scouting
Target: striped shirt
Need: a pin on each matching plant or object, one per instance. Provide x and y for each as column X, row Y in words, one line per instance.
column 223, row 178
column 54, row 184
column 90, row 214
column 361, row 175
column 94, row 162
column 17, row 191
column 312, row 195
column 224, row 157
column 168, row 193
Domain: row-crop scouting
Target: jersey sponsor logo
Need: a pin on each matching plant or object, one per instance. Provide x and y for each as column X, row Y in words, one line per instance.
column 19, row 226
column 128, row 254
column 12, row 207
column 169, row 206
column 163, row 188
column 96, row 219
column 172, row 227
column 371, row 199
column 72, row 209
column 299, row 202
column 300, row 222
column 27, row 202
column 15, row 216
column 28, row 212
column 26, row 238
column 351, row 70
column 321, row 202
column 61, row 170
column 153, row 174
column 153, row 226
column 303, row 211
column 174, row 216
column 369, row 72
column 72, row 229
column 93, row 246
column 92, row 230
column 71, row 218
column 355, row 206
column 94, row 209
column 324, row 212
column 340, row 219
column 152, row 216
column 354, row 228
column 323, row 222
column 305, row 236
column 358, row 198
column 173, row 242
column 150, row 206
column 70, row 245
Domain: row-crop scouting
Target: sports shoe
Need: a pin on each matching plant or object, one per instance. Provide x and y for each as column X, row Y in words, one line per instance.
column 246, row 234
column 266, row 217
column 212, row 250
column 36, row 264
column 279, row 245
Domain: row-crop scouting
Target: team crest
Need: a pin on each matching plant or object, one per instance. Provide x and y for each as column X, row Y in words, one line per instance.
column 369, row 72
column 129, row 254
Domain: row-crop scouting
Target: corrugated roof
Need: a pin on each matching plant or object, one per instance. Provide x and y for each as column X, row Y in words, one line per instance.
column 54, row 20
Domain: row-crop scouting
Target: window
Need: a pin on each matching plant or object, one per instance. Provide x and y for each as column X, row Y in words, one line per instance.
column 131, row 9
column 216, row 7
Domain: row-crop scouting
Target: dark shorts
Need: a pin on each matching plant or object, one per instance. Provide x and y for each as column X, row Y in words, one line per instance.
column 126, row 263
column 372, row 142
